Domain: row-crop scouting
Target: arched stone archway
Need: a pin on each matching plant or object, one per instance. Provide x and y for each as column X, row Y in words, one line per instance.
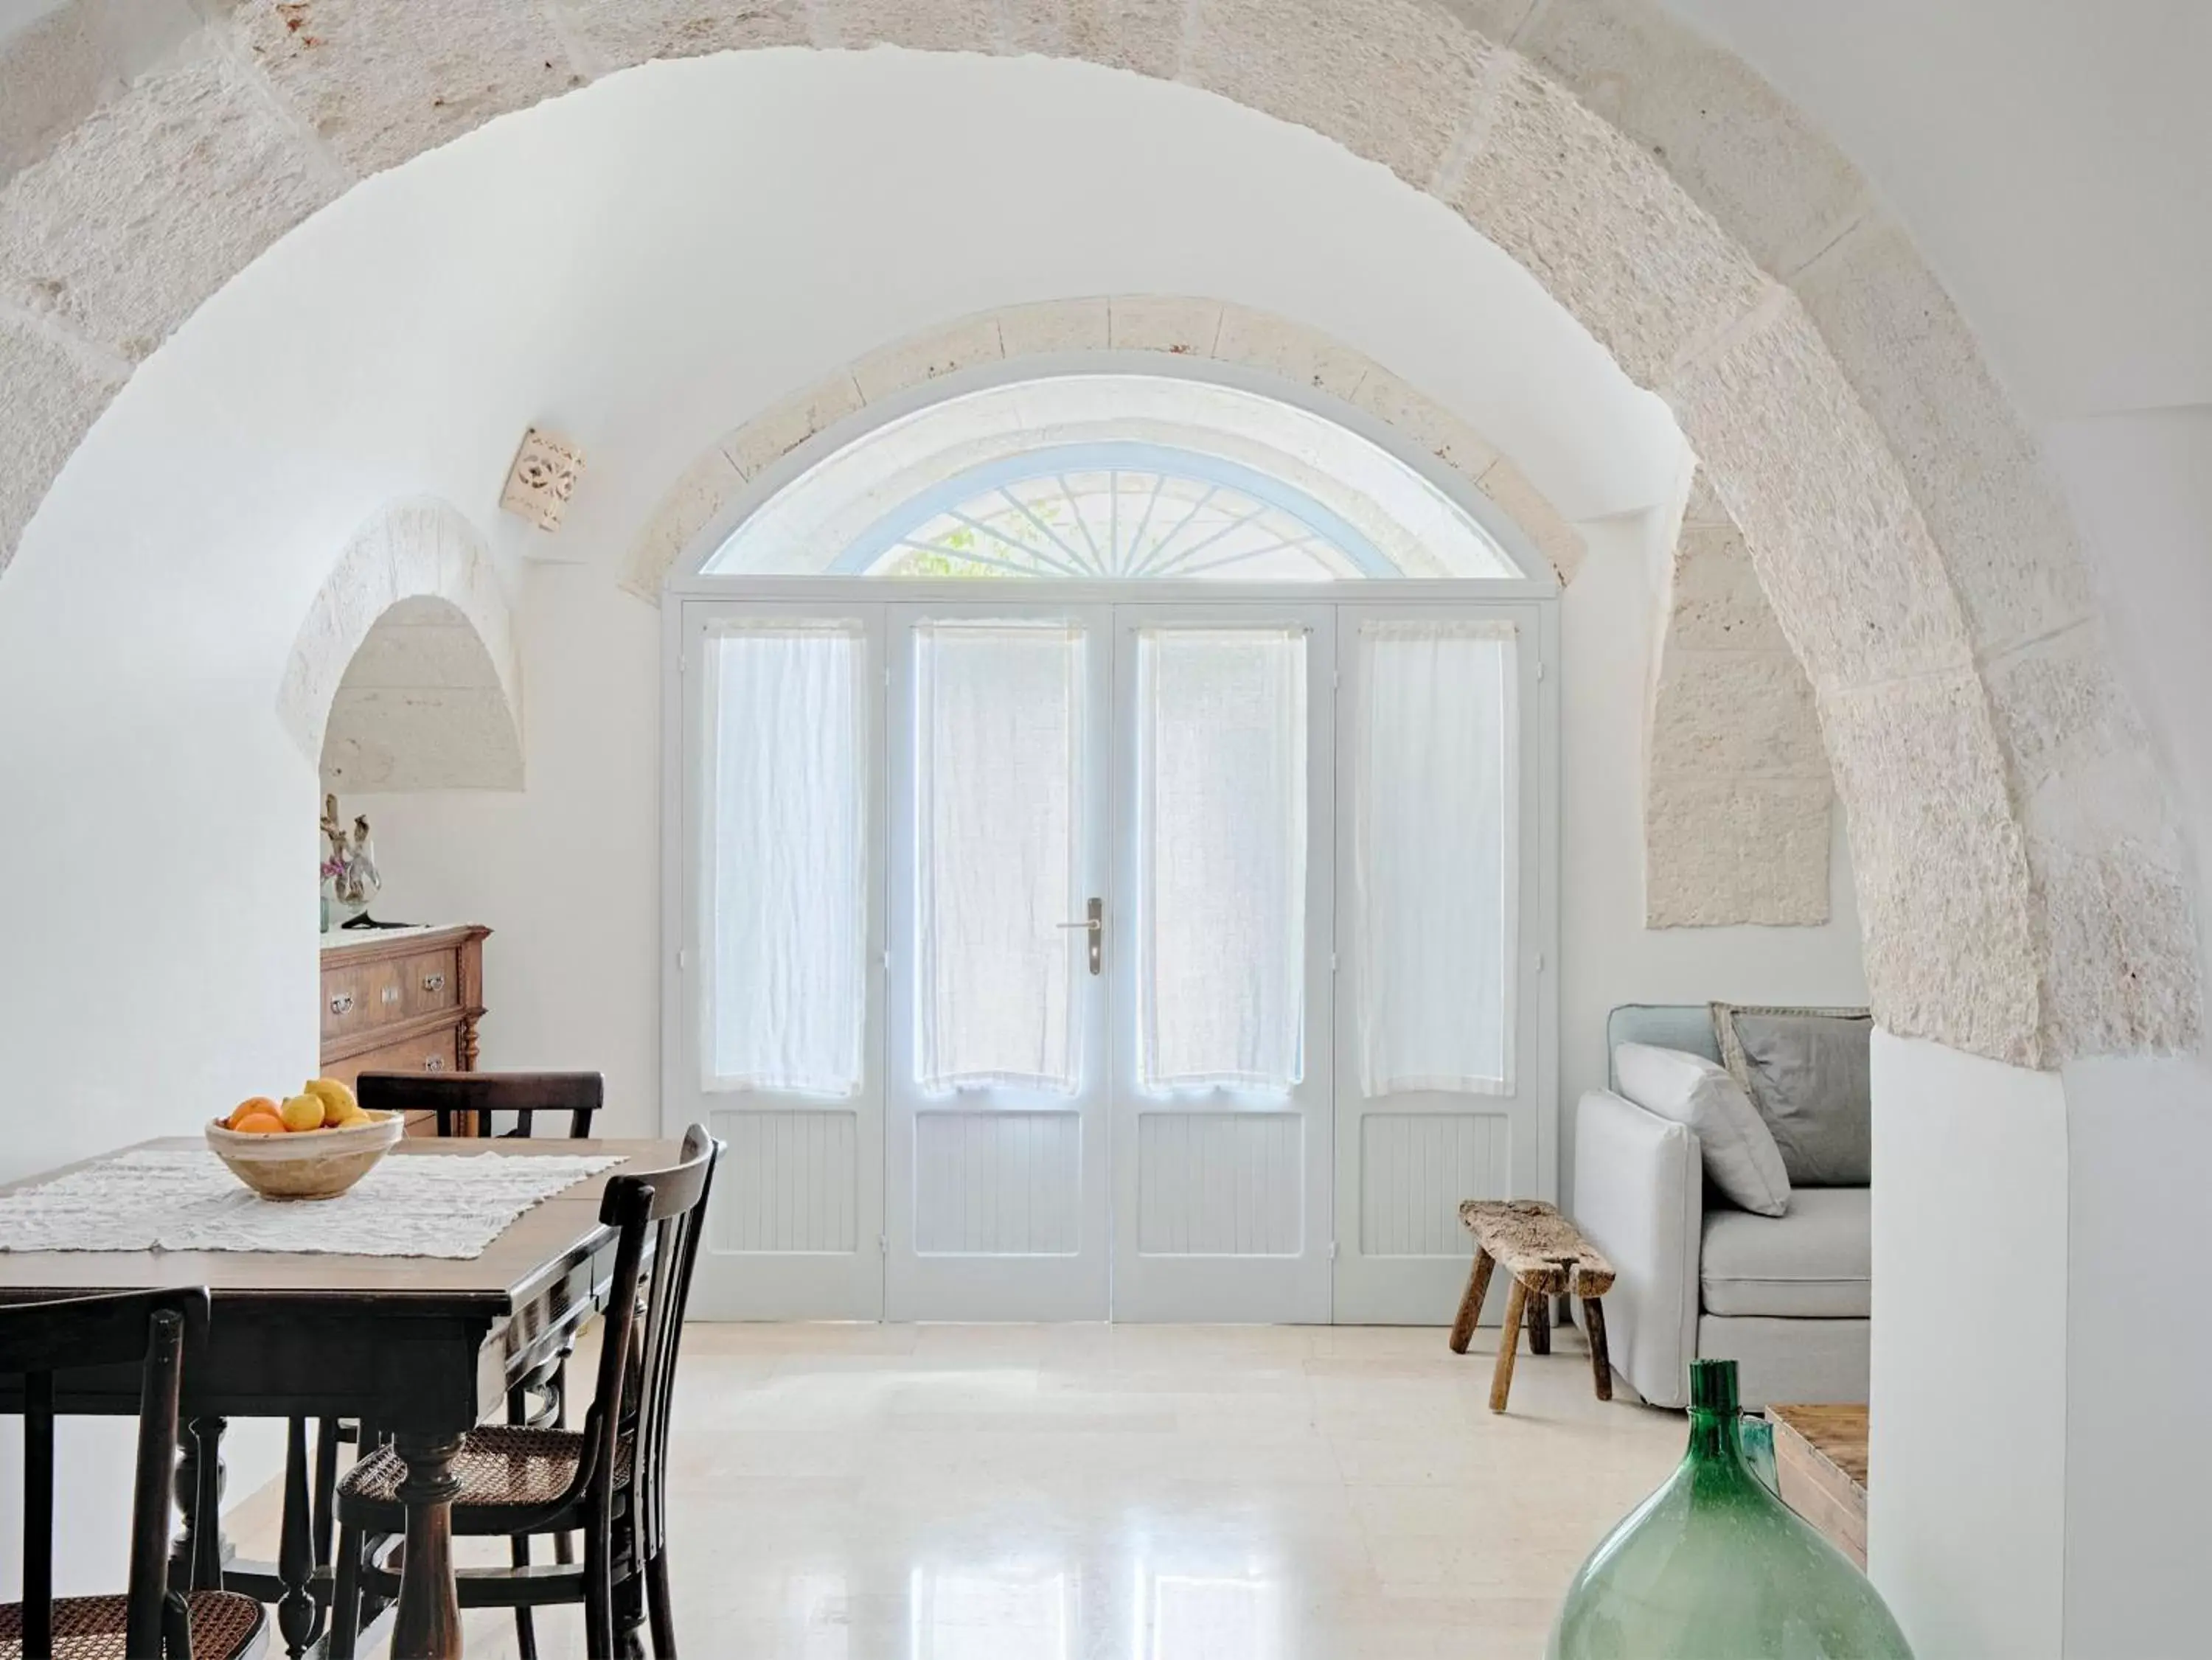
column 403, row 675
column 2021, row 882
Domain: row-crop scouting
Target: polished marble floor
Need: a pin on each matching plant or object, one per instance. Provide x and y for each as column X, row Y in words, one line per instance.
column 1128, row 1493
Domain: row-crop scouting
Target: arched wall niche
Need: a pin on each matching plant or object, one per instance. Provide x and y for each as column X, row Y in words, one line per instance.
column 2021, row 882
column 403, row 675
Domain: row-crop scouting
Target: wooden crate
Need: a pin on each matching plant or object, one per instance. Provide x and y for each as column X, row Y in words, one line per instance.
column 1821, row 1456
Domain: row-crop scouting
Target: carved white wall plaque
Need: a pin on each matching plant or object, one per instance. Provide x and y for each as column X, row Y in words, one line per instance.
column 543, row 478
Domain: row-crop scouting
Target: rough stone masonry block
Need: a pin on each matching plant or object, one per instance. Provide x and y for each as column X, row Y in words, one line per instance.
column 1391, row 80
column 1143, row 35
column 153, row 204
column 1423, row 421
column 2107, row 862
column 2004, row 529
column 906, row 363
column 1734, row 714
column 1601, row 225
column 1718, row 851
column 1557, row 541
column 783, row 427
column 1054, row 325
column 2058, row 708
column 55, row 70
column 51, row 399
column 2120, row 945
column 381, row 81
column 1841, row 551
column 924, row 25
column 1945, row 904
column 696, row 498
column 1146, row 323
column 1717, row 603
column 1493, row 20
column 620, row 33
column 1744, row 155
column 1260, row 340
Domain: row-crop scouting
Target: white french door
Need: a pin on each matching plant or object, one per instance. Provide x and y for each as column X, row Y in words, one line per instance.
column 996, row 1160
column 1136, row 960
column 1445, row 1069
column 774, row 1036
column 1220, row 1058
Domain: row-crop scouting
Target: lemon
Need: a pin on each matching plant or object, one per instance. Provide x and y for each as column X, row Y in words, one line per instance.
column 302, row 1112
column 337, row 1100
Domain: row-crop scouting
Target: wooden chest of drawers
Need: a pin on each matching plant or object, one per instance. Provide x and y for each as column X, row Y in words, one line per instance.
column 407, row 1000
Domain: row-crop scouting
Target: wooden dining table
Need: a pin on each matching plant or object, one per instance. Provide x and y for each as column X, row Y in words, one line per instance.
column 425, row 1347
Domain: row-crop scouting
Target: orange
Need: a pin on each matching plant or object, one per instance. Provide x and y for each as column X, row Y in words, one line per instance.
column 259, row 1123
column 251, row 1104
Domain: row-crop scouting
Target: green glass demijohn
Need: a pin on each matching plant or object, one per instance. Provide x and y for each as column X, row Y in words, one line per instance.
column 1713, row 1566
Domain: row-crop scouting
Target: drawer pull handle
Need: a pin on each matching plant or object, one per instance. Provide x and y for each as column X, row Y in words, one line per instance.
column 343, row 1003
column 390, row 994
column 434, row 1063
column 434, row 982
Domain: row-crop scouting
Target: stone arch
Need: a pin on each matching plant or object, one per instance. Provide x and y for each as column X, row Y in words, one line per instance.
column 2022, row 885
column 403, row 675
column 1178, row 328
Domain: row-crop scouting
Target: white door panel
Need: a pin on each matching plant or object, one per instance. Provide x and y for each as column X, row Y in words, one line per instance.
column 1222, row 1189
column 798, row 1208
column 1407, row 1156
column 996, row 1169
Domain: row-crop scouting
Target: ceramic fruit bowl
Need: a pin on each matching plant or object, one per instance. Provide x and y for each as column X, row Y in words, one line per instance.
column 312, row 1164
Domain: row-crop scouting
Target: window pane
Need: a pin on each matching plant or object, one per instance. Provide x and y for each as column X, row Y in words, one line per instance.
column 1222, row 848
column 997, row 753
column 786, row 858
column 1436, row 847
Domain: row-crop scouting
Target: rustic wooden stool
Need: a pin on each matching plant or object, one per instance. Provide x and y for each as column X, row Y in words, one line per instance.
column 1548, row 1257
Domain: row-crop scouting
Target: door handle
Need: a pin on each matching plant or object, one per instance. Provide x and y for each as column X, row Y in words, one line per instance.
column 1094, row 921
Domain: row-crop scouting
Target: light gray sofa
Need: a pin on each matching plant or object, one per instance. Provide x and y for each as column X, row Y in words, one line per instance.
column 1787, row 1298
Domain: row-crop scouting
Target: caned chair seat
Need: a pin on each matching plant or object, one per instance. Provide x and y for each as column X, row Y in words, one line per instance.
column 501, row 1468
column 225, row 1626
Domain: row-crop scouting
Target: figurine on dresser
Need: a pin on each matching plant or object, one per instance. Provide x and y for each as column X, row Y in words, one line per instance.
column 350, row 879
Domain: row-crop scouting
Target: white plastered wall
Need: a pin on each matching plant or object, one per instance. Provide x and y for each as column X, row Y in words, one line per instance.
column 394, row 346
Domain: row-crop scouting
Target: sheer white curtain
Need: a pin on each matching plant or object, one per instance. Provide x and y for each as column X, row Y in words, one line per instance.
column 785, row 860
column 1221, row 762
column 997, row 757
column 1435, row 856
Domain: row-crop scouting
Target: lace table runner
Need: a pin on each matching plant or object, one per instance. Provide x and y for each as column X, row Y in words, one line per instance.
column 185, row 1199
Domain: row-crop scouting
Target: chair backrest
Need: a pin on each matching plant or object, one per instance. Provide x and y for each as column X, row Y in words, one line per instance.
column 662, row 1210
column 156, row 1331
column 470, row 1099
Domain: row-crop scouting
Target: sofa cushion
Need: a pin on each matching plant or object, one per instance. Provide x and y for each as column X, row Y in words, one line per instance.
column 1738, row 1149
column 1809, row 1076
column 1815, row 1263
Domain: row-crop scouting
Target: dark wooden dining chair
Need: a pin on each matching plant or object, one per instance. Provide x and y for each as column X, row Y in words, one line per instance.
column 156, row 1332
column 473, row 1104
column 468, row 1103
column 605, row 1480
